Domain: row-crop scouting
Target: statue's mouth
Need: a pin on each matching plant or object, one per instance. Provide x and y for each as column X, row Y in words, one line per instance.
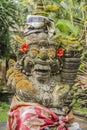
column 42, row 70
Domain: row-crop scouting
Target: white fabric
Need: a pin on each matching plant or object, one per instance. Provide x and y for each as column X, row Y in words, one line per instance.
column 39, row 22
column 74, row 126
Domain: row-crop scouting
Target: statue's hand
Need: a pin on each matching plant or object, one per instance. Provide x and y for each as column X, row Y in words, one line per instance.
column 71, row 117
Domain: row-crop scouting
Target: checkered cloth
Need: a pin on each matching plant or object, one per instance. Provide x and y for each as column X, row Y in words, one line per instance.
column 36, row 23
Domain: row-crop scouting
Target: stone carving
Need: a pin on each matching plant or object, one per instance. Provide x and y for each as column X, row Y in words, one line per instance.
column 45, row 70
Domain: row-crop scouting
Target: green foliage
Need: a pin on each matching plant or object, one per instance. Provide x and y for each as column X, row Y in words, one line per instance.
column 11, row 15
column 67, row 28
column 81, row 86
column 69, row 17
column 79, row 99
column 83, row 66
column 7, row 19
column 4, row 107
column 80, row 109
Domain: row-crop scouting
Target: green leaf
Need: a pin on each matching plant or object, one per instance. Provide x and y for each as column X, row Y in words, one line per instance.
column 66, row 27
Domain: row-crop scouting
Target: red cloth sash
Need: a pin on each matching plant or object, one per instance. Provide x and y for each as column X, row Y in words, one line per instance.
column 32, row 116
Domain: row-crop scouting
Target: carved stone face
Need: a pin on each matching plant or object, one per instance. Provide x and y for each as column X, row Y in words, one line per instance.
column 44, row 58
column 41, row 61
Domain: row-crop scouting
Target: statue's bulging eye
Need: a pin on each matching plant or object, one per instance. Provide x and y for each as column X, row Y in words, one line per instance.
column 33, row 52
column 51, row 53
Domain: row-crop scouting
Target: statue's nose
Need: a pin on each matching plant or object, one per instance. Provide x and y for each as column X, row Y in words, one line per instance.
column 43, row 55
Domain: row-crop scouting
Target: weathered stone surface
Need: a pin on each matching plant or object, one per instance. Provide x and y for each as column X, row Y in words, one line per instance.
column 41, row 74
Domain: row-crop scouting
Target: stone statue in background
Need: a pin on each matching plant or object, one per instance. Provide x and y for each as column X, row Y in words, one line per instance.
column 42, row 78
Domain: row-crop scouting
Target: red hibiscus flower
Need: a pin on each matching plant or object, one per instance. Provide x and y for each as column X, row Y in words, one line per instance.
column 24, row 47
column 60, row 52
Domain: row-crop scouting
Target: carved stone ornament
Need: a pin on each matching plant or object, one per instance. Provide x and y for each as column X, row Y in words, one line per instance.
column 45, row 70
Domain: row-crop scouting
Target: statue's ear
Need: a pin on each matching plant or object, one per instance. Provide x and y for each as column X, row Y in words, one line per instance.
column 19, row 54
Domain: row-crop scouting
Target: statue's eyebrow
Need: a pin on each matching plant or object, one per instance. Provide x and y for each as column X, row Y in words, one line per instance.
column 33, row 45
column 43, row 43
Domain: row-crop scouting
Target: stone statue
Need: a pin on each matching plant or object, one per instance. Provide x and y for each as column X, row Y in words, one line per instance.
column 42, row 78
